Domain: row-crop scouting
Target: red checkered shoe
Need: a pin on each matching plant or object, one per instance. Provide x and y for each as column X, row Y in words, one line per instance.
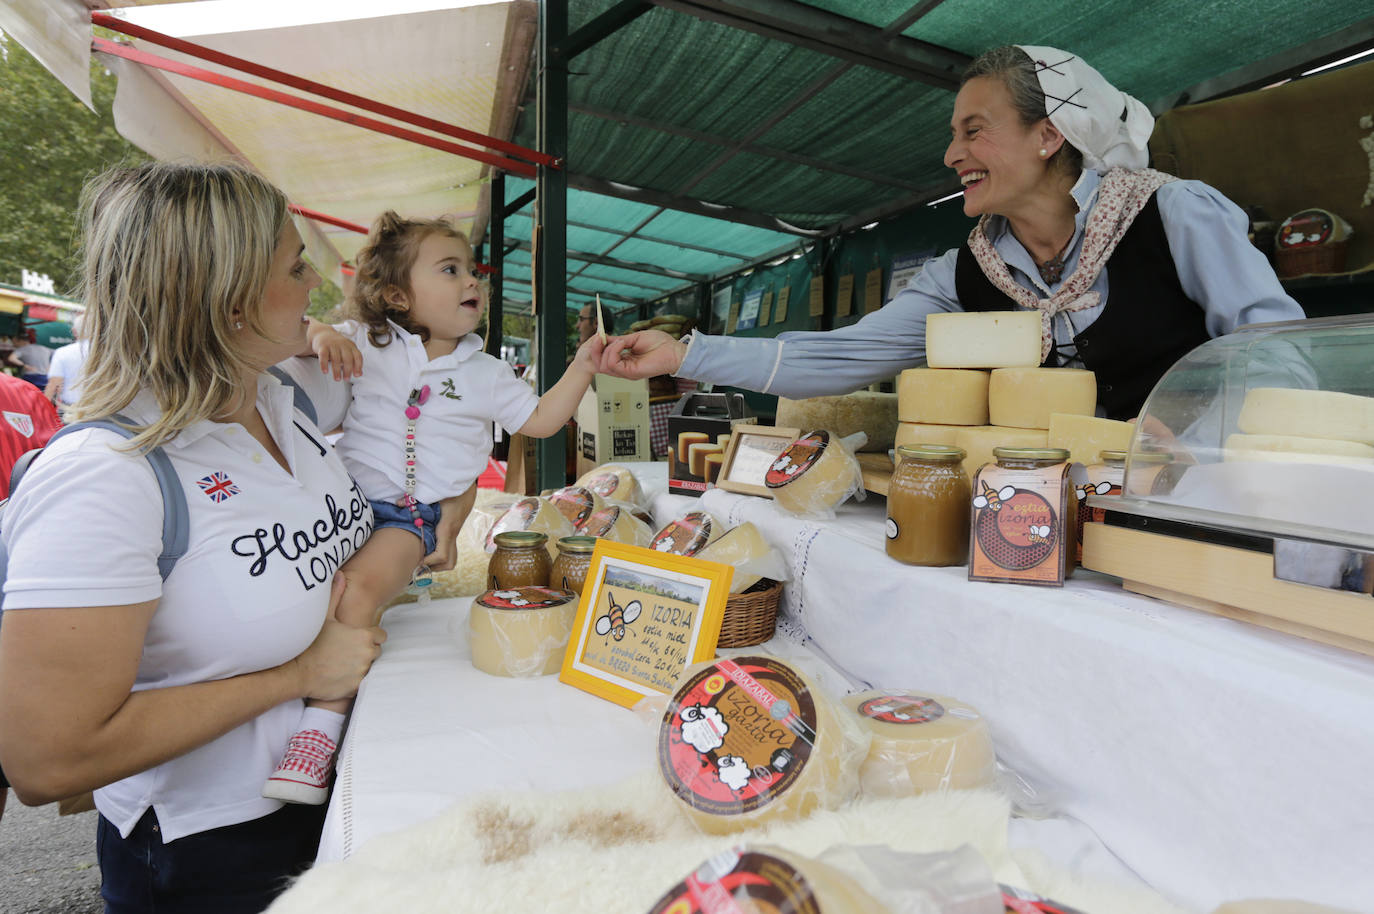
column 303, row 775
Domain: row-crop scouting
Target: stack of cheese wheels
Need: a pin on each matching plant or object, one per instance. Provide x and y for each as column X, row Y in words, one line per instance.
column 921, row 742
column 874, row 414
column 758, row 878
column 751, row 739
column 688, row 534
column 522, row 631
column 576, row 503
column 532, row 513
column 984, row 388
column 814, row 474
column 613, row 483
column 739, row 547
column 618, row 524
column 1304, row 426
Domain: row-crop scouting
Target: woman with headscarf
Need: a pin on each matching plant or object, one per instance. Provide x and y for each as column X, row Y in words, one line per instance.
column 1130, row 268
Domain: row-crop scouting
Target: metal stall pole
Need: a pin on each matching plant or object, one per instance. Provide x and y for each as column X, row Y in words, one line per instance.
column 551, row 229
column 496, row 259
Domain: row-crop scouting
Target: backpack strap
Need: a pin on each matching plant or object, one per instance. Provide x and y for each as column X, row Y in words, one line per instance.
column 176, row 518
column 298, row 394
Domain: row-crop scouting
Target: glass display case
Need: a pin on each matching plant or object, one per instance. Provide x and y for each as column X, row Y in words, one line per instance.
column 1256, row 447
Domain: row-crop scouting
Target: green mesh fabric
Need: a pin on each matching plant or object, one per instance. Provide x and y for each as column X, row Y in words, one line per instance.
column 699, row 110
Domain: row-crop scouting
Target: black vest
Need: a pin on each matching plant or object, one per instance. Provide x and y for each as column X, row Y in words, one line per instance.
column 1147, row 324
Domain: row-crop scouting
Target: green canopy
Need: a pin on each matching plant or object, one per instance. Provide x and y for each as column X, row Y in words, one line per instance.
column 53, row 334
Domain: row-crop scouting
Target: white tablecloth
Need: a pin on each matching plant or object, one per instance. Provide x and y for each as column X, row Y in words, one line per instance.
column 1216, row 759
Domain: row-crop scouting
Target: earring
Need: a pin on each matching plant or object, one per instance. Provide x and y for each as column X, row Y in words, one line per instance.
column 238, row 325
column 1043, row 152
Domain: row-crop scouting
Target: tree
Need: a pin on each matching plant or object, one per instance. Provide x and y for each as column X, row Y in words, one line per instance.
column 50, row 143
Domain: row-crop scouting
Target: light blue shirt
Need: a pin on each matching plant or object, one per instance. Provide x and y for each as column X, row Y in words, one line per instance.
column 1217, row 266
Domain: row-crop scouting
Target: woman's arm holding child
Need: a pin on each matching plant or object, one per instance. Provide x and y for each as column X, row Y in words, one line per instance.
column 560, row 401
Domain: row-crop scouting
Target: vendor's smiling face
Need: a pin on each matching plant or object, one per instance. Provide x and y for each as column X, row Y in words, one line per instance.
column 996, row 156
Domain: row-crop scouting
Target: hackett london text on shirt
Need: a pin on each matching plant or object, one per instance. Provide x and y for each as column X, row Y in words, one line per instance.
column 315, row 551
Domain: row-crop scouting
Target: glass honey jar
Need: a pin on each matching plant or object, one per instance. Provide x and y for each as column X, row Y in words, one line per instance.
column 927, row 506
column 520, row 560
column 573, row 562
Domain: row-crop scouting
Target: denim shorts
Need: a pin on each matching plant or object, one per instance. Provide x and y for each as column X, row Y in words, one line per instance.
column 388, row 514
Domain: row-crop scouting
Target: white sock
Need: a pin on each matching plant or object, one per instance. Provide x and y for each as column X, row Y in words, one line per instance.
column 328, row 722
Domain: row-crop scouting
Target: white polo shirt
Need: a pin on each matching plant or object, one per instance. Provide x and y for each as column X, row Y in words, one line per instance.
column 251, row 592
column 468, row 390
column 68, row 363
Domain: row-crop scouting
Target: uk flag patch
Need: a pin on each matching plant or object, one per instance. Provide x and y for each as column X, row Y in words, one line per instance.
column 217, row 486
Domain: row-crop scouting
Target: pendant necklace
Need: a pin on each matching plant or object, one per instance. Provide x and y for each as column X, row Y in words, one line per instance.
column 1052, row 269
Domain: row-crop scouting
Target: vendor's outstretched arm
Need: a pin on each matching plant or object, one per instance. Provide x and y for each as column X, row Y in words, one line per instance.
column 559, row 402
column 801, row 364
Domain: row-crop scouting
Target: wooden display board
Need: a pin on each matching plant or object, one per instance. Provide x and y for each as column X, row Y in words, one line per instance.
column 751, row 450
column 643, row 617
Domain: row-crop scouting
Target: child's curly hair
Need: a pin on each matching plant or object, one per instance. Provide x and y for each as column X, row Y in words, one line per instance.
column 383, row 267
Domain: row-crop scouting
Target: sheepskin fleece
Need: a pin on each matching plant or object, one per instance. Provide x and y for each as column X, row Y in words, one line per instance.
column 613, row 850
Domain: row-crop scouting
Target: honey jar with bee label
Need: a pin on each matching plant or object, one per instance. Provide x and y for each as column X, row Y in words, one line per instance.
column 928, row 506
column 1024, row 518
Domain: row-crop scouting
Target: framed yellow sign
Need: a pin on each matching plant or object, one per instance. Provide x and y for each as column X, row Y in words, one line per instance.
column 643, row 617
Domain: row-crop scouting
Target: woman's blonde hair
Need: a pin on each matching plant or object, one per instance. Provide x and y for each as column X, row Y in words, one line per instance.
column 170, row 252
column 383, row 268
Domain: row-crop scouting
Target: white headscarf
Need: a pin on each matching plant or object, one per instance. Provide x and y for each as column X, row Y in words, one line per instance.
column 1109, row 127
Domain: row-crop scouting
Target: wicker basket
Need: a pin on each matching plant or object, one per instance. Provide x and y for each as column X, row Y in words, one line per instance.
column 1322, row 258
column 750, row 616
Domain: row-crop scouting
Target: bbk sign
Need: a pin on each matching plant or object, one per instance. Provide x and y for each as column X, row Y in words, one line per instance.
column 38, row 282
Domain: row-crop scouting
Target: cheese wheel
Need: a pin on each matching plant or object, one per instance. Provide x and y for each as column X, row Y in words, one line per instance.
column 925, row 433
column 1308, row 414
column 576, row 503
column 1025, row 397
column 874, row 414
column 921, row 742
column 989, row 339
column 617, row 524
column 943, row 396
column 612, row 482
column 1292, row 449
column 750, row 739
column 531, row 513
column 1086, row 437
column 761, row 878
column 688, row 534
column 814, row 474
column 1276, row 906
column 522, row 631
column 739, row 546
column 469, row 573
column 978, row 442
column 685, row 440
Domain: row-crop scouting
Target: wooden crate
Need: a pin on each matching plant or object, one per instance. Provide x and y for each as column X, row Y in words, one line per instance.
column 1232, row 582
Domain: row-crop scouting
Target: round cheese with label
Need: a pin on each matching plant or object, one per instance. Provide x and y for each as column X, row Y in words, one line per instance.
column 750, row 739
column 762, row 878
column 814, row 474
column 617, row 524
column 576, row 503
column 739, row 547
column 1307, row 414
column 522, row 631
column 613, row 483
column 921, row 743
column 532, row 513
column 688, row 535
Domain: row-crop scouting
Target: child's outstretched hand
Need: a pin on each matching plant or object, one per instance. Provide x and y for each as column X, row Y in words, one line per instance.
column 336, row 352
column 588, row 357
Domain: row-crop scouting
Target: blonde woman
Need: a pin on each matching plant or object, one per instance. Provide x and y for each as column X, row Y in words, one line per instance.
column 172, row 698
